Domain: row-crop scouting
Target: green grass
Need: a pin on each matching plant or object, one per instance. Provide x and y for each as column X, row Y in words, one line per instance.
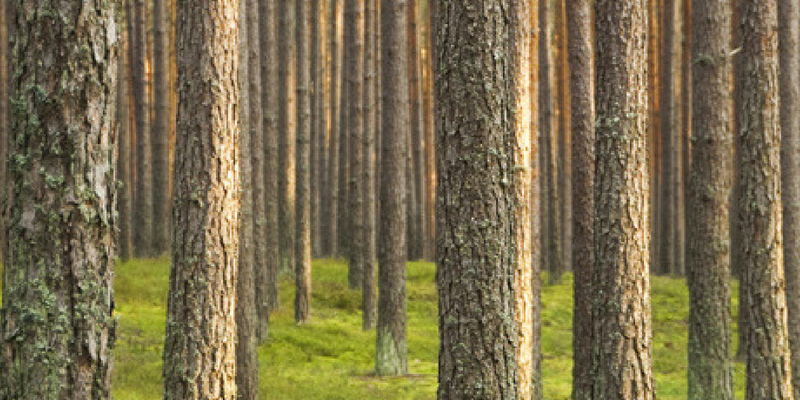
column 332, row 358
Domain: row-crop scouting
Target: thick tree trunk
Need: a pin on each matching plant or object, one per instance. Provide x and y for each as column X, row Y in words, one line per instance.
column 484, row 222
column 369, row 256
column 143, row 228
column 200, row 346
column 4, row 123
column 162, row 111
column 760, row 219
column 708, row 257
column 302, row 266
column 287, row 130
column 267, row 271
column 581, row 64
column 622, row 336
column 57, row 328
column 391, row 348
column 789, row 25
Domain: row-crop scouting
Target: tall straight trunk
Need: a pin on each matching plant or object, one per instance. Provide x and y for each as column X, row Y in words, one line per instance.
column 287, row 130
column 708, row 257
column 246, row 313
column 430, row 136
column 621, row 335
column 391, row 348
column 143, row 227
column 655, row 134
column 317, row 129
column 320, row 238
column 789, row 45
column 200, row 345
column 416, row 226
column 564, row 136
column 484, row 222
column 354, row 12
column 581, row 64
column 124, row 171
column 334, row 175
column 302, row 266
column 536, row 206
column 686, row 148
column 672, row 131
column 57, row 325
column 162, row 112
column 343, row 219
column 759, row 208
column 267, row 271
column 4, row 134
column 550, row 128
column 369, row 256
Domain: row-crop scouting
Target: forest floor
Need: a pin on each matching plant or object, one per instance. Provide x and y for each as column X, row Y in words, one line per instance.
column 332, row 358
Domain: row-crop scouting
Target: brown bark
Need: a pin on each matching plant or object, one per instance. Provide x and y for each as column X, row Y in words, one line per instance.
column 143, row 228
column 789, row 45
column 302, row 266
column 287, row 130
column 550, row 128
column 57, row 329
column 708, row 256
column 581, row 63
column 334, row 176
column 162, row 113
column 342, row 217
column 391, row 348
column 759, row 208
column 124, row 145
column 369, row 255
column 200, row 346
column 536, row 207
column 416, row 223
column 483, row 134
column 622, row 336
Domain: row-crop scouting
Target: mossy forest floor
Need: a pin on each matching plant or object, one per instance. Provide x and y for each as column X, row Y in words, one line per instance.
column 332, row 358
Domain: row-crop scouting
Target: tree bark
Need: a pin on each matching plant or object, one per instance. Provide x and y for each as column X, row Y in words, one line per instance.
column 287, row 130
column 416, row 225
column 369, row 255
column 391, row 349
column 200, row 346
column 760, row 219
column 581, row 64
column 355, row 102
column 57, row 328
column 342, row 219
column 334, row 175
column 789, row 45
column 162, row 111
column 622, row 336
column 124, row 145
column 302, row 267
column 483, row 113
column 143, row 231
column 708, row 256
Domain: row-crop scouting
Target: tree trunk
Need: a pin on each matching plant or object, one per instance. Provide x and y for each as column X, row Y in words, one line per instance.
column 564, row 137
column 161, row 129
column 621, row 335
column 124, row 171
column 287, row 130
column 323, row 126
column 416, row 226
column 302, row 267
column 391, row 348
column 581, row 64
column 143, row 228
column 789, row 25
column 200, row 346
column 536, row 206
column 354, row 12
column 369, row 256
column 334, row 175
column 343, row 220
column 708, row 257
column 268, row 270
column 484, row 222
column 57, row 328
column 4, row 122
column 550, row 129
column 760, row 220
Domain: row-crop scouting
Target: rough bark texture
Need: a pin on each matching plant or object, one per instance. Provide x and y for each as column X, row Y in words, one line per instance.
column 200, row 346
column 548, row 98
column 391, row 348
column 4, row 134
column 143, row 228
column 268, row 269
column 369, row 256
column 355, row 102
column 484, row 222
column 57, row 329
column 622, row 337
column 124, row 136
column 789, row 25
column 287, row 130
column 581, row 64
column 760, row 219
column 302, row 267
column 162, row 111
column 536, row 208
column 708, row 257
column 416, row 222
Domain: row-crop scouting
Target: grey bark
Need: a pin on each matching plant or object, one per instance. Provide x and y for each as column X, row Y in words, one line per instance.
column 287, row 130
column 302, row 266
column 143, row 229
column 162, row 111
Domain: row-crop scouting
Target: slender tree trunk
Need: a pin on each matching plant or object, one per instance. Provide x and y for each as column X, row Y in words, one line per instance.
column 57, row 328
column 621, row 335
column 343, row 219
column 564, row 136
column 334, row 174
column 369, row 256
column 581, row 64
column 708, row 257
column 4, row 122
column 161, row 129
column 789, row 25
column 430, row 136
column 200, row 346
column 550, row 129
column 302, row 268
column 391, row 348
column 124, row 132
column 267, row 271
column 287, row 130
column 760, row 219
column 536, row 206
column 143, row 231
column 323, row 125
column 483, row 127
column 416, row 231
